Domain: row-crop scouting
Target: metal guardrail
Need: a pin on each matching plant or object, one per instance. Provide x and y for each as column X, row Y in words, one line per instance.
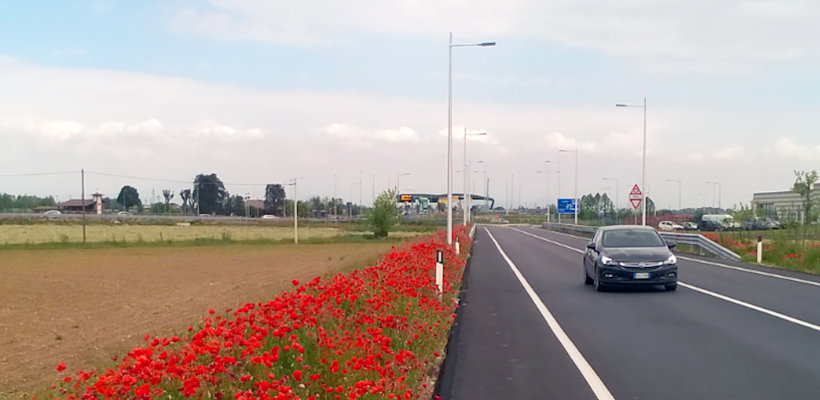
column 679, row 238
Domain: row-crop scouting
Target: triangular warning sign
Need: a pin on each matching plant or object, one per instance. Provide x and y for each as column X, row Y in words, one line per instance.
column 635, row 203
column 635, row 189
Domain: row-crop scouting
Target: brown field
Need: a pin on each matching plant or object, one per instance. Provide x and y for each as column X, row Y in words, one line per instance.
column 56, row 233
column 84, row 306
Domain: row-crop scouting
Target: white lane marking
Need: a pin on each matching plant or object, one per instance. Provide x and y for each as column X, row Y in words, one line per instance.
column 753, row 307
column 710, row 293
column 751, row 271
column 548, row 240
column 593, row 380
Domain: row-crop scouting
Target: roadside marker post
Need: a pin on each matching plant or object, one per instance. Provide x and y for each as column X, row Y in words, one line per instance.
column 457, row 246
column 440, row 270
column 759, row 249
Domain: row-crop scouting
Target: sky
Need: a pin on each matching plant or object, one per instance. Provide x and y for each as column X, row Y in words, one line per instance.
column 352, row 96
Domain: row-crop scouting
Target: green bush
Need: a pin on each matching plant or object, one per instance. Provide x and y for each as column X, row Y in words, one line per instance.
column 384, row 215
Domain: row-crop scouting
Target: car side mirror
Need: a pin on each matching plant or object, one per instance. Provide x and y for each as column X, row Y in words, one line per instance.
column 591, row 245
column 671, row 245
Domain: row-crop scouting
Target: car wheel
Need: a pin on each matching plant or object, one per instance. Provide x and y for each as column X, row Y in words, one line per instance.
column 599, row 287
column 587, row 279
column 671, row 287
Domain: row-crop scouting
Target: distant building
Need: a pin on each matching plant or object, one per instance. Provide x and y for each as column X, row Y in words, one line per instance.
column 94, row 205
column 785, row 205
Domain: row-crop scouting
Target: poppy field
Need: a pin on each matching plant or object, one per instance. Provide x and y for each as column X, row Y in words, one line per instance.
column 375, row 332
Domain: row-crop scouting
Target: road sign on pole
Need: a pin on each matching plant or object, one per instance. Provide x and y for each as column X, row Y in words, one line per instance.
column 635, row 196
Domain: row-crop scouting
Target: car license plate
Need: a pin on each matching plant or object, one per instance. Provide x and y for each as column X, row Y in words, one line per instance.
column 642, row 275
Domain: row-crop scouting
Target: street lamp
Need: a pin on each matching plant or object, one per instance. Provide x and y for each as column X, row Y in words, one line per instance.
column 547, row 173
column 350, row 207
column 643, row 164
column 467, row 174
column 617, row 196
column 713, row 193
column 679, row 191
column 450, row 132
column 575, row 201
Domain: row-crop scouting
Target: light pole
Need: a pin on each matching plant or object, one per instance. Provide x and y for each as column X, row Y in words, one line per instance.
column 350, row 207
column 617, row 196
column 713, row 193
column 467, row 175
column 679, row 191
column 575, row 201
column 450, row 131
column 547, row 173
column 295, row 211
column 643, row 163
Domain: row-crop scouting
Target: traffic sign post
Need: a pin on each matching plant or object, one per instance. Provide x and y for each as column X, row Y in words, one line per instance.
column 566, row 206
column 636, row 197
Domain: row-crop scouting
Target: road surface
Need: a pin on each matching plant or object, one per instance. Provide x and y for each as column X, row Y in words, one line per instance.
column 528, row 328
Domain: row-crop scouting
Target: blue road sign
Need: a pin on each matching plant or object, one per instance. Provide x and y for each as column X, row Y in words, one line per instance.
column 566, row 206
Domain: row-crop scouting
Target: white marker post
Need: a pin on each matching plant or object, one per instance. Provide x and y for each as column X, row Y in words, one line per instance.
column 440, row 270
column 759, row 249
column 457, row 246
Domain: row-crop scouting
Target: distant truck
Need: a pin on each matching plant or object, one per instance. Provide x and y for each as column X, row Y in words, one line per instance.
column 717, row 222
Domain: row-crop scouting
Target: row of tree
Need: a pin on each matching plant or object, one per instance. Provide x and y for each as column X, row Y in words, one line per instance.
column 209, row 196
column 24, row 202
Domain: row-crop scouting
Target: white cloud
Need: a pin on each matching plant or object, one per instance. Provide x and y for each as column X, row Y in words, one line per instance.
column 785, row 147
column 355, row 136
column 697, row 35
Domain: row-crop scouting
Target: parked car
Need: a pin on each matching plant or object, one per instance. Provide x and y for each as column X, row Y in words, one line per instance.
column 669, row 226
column 717, row 222
column 690, row 226
column 52, row 212
column 123, row 213
column 629, row 255
column 761, row 223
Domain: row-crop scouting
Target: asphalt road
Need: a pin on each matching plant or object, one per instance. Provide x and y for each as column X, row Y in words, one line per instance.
column 726, row 333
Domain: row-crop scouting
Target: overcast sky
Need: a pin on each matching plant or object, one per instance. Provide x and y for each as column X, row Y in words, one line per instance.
column 262, row 91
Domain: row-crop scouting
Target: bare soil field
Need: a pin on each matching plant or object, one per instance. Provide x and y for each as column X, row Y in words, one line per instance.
column 85, row 306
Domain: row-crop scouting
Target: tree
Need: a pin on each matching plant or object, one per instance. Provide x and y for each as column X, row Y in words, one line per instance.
column 803, row 185
column 236, row 205
column 168, row 194
column 129, row 197
column 210, row 194
column 185, row 195
column 384, row 214
column 275, row 199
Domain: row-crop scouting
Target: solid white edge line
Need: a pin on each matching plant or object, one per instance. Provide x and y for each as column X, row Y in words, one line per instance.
column 751, row 271
column 753, row 307
column 710, row 293
column 593, row 380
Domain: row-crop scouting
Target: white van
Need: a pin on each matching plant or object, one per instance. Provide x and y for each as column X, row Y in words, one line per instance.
column 726, row 221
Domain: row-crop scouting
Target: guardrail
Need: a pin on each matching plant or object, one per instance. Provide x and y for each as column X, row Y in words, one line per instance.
column 698, row 240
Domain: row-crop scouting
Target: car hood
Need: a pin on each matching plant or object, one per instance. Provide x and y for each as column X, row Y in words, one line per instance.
column 636, row 254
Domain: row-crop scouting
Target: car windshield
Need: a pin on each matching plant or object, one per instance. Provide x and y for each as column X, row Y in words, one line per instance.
column 632, row 238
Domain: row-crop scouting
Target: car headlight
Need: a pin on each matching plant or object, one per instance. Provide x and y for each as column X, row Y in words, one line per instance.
column 671, row 260
column 608, row 261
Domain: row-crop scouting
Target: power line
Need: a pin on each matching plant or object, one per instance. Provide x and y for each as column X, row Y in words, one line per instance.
column 40, row 173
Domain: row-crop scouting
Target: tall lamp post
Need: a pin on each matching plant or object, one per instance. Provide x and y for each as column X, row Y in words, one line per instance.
column 450, row 131
column 549, row 202
column 575, row 199
column 713, row 193
column 295, row 211
column 643, row 163
column 617, row 196
column 467, row 175
column 679, row 191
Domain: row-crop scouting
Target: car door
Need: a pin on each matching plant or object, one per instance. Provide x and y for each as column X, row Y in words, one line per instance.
column 591, row 255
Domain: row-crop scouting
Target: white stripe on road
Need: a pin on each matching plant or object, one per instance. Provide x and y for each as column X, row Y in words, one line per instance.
column 732, row 267
column 753, row 307
column 593, row 380
column 707, row 292
column 751, row 271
